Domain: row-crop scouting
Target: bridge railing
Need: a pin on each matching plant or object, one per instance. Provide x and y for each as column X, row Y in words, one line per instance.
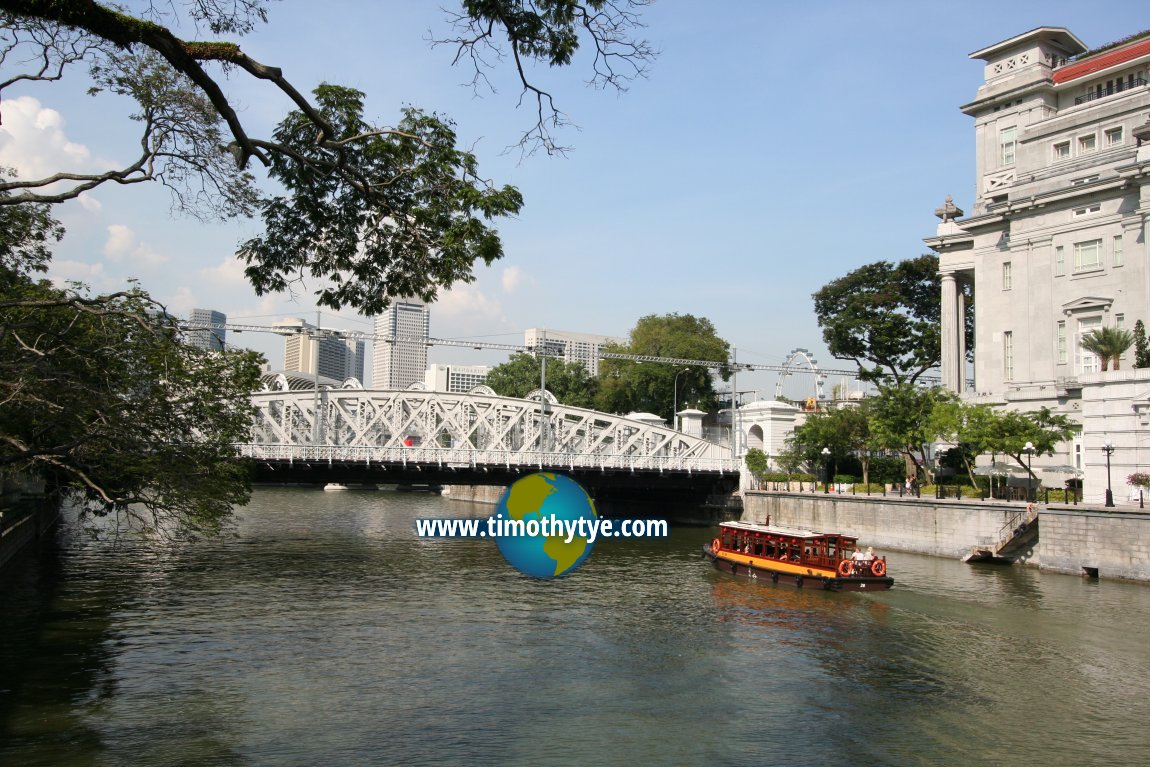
column 479, row 459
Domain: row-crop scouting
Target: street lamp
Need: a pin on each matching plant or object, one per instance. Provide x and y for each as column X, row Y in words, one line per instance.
column 675, row 400
column 827, row 458
column 1108, row 448
column 1028, row 448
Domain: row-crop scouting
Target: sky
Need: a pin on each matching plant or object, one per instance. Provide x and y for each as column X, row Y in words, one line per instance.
column 772, row 148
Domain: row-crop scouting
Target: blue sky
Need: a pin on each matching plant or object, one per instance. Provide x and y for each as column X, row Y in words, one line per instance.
column 773, row 147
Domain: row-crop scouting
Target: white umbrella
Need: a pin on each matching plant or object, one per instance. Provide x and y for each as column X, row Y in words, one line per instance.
column 1062, row 469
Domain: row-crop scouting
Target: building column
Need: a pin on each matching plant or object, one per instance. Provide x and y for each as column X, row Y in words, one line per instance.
column 960, row 327
column 951, row 335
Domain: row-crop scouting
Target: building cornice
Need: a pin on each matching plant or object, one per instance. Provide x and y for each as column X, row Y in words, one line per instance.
column 1061, row 35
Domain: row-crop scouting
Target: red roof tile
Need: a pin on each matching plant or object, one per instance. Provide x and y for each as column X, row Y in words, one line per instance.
column 1102, row 61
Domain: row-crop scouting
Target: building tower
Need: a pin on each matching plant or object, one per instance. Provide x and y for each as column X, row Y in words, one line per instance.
column 400, row 354
column 572, row 347
column 211, row 339
column 309, row 350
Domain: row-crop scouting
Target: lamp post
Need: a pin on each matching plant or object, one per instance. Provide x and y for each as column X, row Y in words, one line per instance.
column 1108, row 448
column 1028, row 448
column 827, row 457
column 675, row 400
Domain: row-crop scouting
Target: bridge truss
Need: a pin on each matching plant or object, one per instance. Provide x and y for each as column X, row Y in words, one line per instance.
column 474, row 430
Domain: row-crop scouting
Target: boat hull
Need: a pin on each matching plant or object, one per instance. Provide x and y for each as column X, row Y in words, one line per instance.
column 792, row 575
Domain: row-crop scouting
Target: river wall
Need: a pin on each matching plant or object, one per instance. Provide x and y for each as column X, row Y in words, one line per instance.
column 941, row 528
column 489, row 494
column 1071, row 539
column 1101, row 543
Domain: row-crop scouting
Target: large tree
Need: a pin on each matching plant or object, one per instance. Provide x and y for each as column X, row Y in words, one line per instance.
column 885, row 317
column 522, row 373
column 368, row 211
column 102, row 401
column 901, row 420
column 844, row 431
column 629, row 386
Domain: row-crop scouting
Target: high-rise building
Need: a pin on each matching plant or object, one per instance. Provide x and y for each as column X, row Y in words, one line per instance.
column 211, row 339
column 572, row 347
column 306, row 347
column 400, row 354
column 458, row 379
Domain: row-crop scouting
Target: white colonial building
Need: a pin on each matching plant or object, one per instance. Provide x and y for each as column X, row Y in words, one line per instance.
column 1055, row 245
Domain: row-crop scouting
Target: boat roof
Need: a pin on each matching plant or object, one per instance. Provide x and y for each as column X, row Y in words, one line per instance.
column 793, row 532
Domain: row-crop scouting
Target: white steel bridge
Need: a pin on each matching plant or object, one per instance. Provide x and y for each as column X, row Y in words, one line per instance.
column 345, row 433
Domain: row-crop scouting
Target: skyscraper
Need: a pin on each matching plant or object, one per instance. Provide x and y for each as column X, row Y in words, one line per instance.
column 337, row 357
column 400, row 354
column 211, row 339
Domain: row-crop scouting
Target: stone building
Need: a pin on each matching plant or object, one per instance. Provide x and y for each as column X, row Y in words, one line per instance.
column 1055, row 244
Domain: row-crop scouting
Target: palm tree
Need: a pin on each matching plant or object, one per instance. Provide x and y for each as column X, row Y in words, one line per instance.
column 1107, row 344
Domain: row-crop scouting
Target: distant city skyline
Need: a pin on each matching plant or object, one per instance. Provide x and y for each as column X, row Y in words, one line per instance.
column 764, row 156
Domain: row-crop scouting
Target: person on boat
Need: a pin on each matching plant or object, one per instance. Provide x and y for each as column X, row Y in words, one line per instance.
column 870, row 553
column 858, row 556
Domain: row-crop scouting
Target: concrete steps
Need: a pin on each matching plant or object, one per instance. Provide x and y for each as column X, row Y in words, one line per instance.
column 1019, row 535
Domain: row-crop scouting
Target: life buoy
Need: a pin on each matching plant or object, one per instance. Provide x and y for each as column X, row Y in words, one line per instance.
column 846, row 568
column 878, row 567
column 715, row 545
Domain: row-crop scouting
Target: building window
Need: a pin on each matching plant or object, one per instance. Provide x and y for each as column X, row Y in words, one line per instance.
column 1087, row 144
column 1087, row 255
column 1061, row 337
column 1118, row 258
column 1088, row 210
column 1007, row 277
column 1114, row 137
column 1062, row 151
column 1059, row 261
column 1086, row 362
column 1006, row 144
column 1008, row 356
column 1120, row 324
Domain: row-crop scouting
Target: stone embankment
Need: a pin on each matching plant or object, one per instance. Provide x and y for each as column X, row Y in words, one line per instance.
column 1105, row 543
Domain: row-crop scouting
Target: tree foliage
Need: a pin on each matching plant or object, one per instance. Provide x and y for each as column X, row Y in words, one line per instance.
column 901, row 420
column 627, row 386
column 102, row 400
column 757, row 463
column 568, row 381
column 372, row 241
column 1141, row 347
column 1108, row 344
column 844, row 431
column 369, row 211
column 551, row 32
column 886, row 318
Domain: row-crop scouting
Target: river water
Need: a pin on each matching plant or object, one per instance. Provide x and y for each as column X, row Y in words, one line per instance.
column 325, row 633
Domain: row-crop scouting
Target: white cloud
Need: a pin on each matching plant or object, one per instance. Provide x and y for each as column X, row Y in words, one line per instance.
column 32, row 140
column 88, row 202
column 466, row 302
column 93, row 275
column 181, row 302
column 513, row 278
column 124, row 245
column 230, row 271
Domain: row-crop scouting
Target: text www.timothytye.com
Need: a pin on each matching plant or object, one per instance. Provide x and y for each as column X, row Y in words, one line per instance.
column 547, row 526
